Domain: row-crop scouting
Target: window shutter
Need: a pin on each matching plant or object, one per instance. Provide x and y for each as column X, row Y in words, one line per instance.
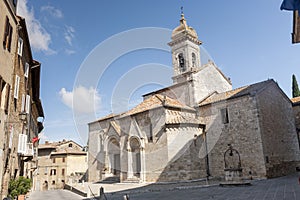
column 22, row 145
column 20, row 46
column 23, row 103
column 11, row 136
column 7, row 98
column 17, row 84
column 27, row 108
column 26, row 70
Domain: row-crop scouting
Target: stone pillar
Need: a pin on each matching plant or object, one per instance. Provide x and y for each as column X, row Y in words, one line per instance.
column 130, row 170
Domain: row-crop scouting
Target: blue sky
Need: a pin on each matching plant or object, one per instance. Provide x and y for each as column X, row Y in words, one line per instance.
column 250, row 41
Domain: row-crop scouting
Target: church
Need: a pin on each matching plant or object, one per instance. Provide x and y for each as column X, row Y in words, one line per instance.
column 199, row 127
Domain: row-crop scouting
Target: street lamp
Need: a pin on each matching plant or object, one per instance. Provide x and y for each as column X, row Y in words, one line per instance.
column 23, row 116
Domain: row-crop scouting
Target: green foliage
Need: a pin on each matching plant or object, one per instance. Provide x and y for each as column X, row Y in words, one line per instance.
column 19, row 186
column 295, row 88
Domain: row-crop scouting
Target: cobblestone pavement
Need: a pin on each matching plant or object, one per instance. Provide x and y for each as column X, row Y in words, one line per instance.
column 276, row 189
column 283, row 188
column 54, row 195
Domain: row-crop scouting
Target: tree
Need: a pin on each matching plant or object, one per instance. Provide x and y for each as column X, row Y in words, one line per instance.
column 19, row 186
column 296, row 91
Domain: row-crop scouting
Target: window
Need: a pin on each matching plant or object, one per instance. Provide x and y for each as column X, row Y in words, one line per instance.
column 20, row 46
column 46, row 171
column 224, row 115
column 6, row 102
column 53, row 182
column 27, row 104
column 26, row 70
column 70, row 145
column 52, row 172
column 62, row 172
column 267, row 159
column 53, row 160
column 193, row 60
column 151, row 133
column 181, row 62
column 63, row 159
column 7, row 35
column 17, row 84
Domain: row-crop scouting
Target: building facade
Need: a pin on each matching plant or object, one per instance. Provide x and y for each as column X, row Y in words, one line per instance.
column 296, row 108
column 8, row 30
column 197, row 128
column 60, row 163
column 21, row 110
column 296, row 27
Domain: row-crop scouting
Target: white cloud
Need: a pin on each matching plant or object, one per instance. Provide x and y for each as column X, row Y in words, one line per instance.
column 56, row 13
column 69, row 34
column 40, row 39
column 70, row 51
column 87, row 99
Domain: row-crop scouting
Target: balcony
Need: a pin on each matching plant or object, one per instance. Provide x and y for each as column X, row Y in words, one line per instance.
column 29, row 151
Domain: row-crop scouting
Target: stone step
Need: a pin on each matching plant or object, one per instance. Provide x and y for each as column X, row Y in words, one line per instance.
column 112, row 179
column 132, row 180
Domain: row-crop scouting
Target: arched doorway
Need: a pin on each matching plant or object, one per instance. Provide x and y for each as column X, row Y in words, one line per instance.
column 114, row 156
column 135, row 147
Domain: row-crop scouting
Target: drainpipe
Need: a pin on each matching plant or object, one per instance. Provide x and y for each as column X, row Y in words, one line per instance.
column 206, row 157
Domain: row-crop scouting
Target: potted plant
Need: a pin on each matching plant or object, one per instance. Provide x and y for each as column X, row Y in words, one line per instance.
column 19, row 187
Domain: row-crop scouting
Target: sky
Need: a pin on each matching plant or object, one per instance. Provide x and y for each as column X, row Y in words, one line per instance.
column 99, row 57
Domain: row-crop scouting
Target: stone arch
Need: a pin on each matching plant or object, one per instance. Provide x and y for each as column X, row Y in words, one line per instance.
column 112, row 149
column 232, row 159
column 181, row 62
column 136, row 160
column 194, row 61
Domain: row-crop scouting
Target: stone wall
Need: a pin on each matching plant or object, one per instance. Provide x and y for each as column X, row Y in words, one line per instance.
column 208, row 80
column 7, row 63
column 242, row 132
column 296, row 109
column 280, row 142
column 95, row 156
column 184, row 156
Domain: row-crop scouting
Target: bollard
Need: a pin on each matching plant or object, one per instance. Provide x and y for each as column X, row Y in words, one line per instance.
column 102, row 196
column 126, row 197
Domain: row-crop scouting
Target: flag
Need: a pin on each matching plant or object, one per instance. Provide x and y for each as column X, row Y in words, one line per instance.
column 35, row 139
column 290, row 5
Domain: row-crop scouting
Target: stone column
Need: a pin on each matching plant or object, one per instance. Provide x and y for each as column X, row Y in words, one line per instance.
column 130, row 170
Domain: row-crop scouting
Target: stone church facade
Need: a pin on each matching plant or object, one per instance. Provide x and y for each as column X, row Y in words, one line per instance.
column 196, row 128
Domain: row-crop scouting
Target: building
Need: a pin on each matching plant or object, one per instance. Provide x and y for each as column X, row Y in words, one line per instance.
column 197, row 128
column 21, row 112
column 296, row 108
column 60, row 163
column 296, row 27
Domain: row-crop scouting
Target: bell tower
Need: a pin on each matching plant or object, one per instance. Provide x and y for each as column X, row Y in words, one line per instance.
column 185, row 51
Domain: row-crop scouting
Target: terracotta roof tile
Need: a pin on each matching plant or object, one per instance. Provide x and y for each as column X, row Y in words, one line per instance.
column 155, row 101
column 295, row 99
column 68, row 151
column 250, row 89
column 180, row 117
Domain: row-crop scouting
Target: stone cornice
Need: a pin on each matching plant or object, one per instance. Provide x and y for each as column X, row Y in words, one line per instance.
column 183, row 38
